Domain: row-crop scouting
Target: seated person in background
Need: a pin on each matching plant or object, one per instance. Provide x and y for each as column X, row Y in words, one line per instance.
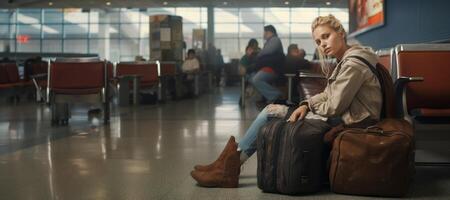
column 253, row 43
column 269, row 63
column 247, row 62
column 139, row 58
column 190, row 66
column 295, row 60
column 316, row 55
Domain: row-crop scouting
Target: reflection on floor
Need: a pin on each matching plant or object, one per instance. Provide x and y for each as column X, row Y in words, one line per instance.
column 146, row 152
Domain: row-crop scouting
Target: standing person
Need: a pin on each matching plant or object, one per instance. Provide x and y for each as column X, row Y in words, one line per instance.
column 353, row 95
column 211, row 57
column 269, row 63
column 219, row 66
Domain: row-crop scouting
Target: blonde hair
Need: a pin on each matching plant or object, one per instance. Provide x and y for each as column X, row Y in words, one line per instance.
column 336, row 25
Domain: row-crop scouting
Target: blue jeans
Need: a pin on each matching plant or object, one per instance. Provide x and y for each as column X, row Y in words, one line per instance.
column 248, row 143
column 261, row 81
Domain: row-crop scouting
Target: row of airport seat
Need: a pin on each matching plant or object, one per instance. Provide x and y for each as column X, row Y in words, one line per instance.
column 91, row 80
column 11, row 85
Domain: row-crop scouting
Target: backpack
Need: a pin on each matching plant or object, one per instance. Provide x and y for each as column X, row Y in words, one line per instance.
column 387, row 87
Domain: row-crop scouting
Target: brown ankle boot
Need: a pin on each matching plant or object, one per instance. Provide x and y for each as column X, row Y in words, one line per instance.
column 219, row 159
column 224, row 174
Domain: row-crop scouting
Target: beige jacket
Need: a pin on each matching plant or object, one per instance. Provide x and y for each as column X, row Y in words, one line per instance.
column 353, row 91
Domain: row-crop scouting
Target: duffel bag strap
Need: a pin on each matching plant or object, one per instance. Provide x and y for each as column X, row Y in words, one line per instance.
column 332, row 134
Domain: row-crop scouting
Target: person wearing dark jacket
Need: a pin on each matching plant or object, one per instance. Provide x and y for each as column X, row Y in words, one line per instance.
column 269, row 64
column 248, row 61
column 295, row 60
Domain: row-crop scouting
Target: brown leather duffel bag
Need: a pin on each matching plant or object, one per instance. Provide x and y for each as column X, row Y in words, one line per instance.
column 377, row 161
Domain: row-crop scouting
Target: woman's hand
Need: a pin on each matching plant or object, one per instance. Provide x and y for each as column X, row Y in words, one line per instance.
column 299, row 113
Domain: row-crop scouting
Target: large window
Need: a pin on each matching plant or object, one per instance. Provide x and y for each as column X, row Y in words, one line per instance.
column 116, row 34
column 234, row 27
column 119, row 34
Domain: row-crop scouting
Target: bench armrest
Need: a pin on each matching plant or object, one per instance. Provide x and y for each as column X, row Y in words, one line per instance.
column 310, row 75
column 289, row 75
column 38, row 76
column 399, row 88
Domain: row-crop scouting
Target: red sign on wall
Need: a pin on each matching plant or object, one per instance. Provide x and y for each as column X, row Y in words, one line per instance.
column 23, row 39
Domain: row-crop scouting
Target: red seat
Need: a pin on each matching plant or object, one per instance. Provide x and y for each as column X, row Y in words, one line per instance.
column 13, row 72
column 4, row 79
column 430, row 112
column 168, row 69
column 433, row 93
column 385, row 57
column 148, row 71
column 34, row 67
column 75, row 78
column 423, row 91
column 9, row 75
column 385, row 60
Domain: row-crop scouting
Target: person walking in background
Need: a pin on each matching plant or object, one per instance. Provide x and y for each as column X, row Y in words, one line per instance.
column 211, row 57
column 218, row 66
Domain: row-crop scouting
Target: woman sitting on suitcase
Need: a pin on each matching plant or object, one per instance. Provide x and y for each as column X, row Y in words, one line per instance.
column 352, row 95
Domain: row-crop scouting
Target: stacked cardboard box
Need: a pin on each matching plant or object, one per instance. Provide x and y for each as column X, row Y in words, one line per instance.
column 199, row 39
column 166, row 38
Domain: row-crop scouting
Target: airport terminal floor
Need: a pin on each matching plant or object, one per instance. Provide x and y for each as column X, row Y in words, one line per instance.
column 147, row 152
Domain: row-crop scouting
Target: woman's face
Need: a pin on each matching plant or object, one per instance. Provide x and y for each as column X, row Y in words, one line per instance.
column 329, row 42
column 249, row 51
column 295, row 52
column 191, row 55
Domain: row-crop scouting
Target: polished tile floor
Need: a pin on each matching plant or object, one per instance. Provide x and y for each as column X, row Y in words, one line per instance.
column 146, row 152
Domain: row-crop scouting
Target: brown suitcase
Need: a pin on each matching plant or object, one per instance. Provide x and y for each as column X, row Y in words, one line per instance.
column 376, row 161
